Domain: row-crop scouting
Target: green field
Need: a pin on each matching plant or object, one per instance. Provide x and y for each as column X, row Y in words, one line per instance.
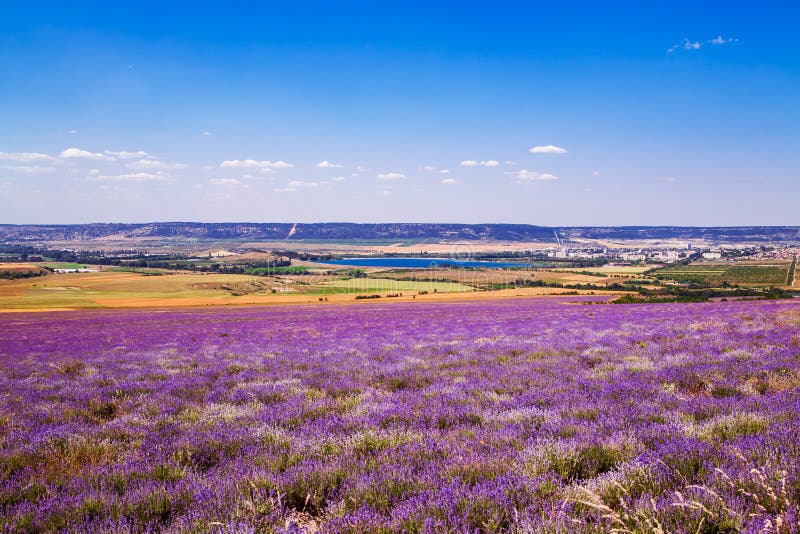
column 607, row 270
column 765, row 274
column 267, row 271
column 380, row 285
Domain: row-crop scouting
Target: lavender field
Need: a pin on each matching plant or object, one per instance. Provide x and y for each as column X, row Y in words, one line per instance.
column 538, row 415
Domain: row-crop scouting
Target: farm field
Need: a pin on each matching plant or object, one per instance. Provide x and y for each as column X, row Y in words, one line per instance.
column 738, row 273
column 20, row 268
column 610, row 270
column 526, row 415
column 471, row 277
column 378, row 285
column 93, row 290
column 488, row 277
column 113, row 288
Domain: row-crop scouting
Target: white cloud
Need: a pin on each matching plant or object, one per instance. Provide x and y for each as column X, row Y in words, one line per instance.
column 285, row 190
column 449, row 181
column 391, row 176
column 116, row 190
column 206, row 133
column 77, row 153
column 720, row 40
column 281, row 165
column 669, row 179
column 25, row 157
column 338, row 179
column 252, row 163
column 154, row 164
column 595, row 173
column 296, row 184
column 225, row 181
column 691, row 45
column 362, row 168
column 434, row 168
column 72, row 132
column 328, row 165
column 687, row 44
column 28, row 169
column 524, row 175
column 548, row 149
column 133, row 177
column 127, row 155
column 474, row 163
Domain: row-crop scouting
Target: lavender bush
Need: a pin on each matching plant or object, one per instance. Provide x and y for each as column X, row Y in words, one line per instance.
column 504, row 416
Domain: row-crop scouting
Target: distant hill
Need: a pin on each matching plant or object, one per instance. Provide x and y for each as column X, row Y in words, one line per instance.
column 386, row 232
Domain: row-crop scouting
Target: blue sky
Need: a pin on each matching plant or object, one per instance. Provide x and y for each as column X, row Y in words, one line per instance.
column 645, row 112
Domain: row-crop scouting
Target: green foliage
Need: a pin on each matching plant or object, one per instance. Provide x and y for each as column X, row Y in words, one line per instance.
column 732, row 274
column 18, row 274
column 734, row 426
column 583, row 463
column 310, row 491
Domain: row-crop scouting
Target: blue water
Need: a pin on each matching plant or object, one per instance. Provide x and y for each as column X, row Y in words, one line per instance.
column 425, row 262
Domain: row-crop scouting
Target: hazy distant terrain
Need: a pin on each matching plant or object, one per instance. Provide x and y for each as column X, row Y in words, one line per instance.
column 388, row 232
